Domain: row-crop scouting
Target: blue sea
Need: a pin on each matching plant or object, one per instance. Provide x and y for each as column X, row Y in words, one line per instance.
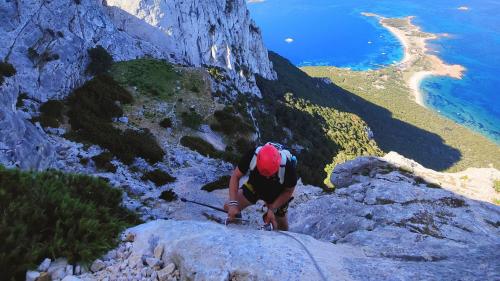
column 334, row 33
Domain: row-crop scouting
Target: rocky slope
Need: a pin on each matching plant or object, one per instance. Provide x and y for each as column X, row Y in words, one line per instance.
column 382, row 223
column 47, row 43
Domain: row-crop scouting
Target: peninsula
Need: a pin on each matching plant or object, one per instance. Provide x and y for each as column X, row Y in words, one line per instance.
column 396, row 88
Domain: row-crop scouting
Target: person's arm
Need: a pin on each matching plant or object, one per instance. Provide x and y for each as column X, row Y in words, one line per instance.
column 234, row 183
column 278, row 202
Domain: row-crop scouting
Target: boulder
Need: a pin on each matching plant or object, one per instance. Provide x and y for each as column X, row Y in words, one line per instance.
column 97, row 265
column 32, row 275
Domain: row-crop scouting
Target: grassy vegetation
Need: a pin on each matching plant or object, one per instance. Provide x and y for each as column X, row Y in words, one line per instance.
column 52, row 214
column 6, row 70
column 496, row 185
column 328, row 135
column 383, row 100
column 229, row 122
column 91, row 109
column 158, row 177
column 220, row 183
column 151, row 77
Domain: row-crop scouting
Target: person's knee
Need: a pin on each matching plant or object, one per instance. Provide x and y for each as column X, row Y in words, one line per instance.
column 282, row 223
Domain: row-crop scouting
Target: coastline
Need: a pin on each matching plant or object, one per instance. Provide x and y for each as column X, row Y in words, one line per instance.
column 417, row 64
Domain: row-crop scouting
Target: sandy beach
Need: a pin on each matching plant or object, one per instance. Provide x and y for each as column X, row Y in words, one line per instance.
column 417, row 64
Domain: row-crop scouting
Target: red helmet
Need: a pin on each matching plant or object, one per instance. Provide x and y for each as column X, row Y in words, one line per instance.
column 268, row 160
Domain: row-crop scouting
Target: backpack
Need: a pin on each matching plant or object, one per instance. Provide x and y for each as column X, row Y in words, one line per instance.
column 285, row 156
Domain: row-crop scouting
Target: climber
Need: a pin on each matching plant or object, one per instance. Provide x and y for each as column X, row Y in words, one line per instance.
column 272, row 178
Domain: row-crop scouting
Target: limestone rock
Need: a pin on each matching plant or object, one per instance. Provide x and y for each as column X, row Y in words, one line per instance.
column 44, row 266
column 71, row 278
column 158, row 251
column 44, row 276
column 97, row 265
column 32, row 275
column 165, row 273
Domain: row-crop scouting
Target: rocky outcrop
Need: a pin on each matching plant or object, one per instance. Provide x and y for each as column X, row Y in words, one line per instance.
column 407, row 227
column 216, row 33
column 47, row 43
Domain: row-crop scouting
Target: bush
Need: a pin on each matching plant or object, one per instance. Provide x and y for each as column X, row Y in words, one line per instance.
column 52, row 214
column 20, row 99
column 191, row 119
column 496, row 185
column 103, row 162
column 51, row 114
column 166, row 123
column 229, row 123
column 204, row 148
column 100, row 61
column 6, row 70
column 221, row 183
column 158, row 177
column 168, row 195
column 91, row 109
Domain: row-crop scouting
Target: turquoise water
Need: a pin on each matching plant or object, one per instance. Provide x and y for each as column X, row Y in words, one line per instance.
column 328, row 32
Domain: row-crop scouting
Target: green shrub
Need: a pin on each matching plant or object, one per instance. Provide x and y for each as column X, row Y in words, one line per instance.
column 166, row 123
column 20, row 99
column 496, row 185
column 217, row 73
column 158, row 177
column 205, row 148
column 51, row 114
column 51, row 214
column 100, row 61
column 6, row 70
column 168, row 195
column 91, row 109
column 151, row 77
column 191, row 119
column 103, row 162
column 229, row 123
column 221, row 183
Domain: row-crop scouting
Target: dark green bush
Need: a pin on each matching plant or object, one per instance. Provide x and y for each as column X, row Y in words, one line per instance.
column 158, row 177
column 6, row 70
column 100, row 61
column 204, row 148
column 229, row 123
column 20, row 99
column 91, row 109
column 168, row 195
column 103, row 162
column 52, row 214
column 191, row 119
column 166, row 123
column 51, row 114
column 221, row 183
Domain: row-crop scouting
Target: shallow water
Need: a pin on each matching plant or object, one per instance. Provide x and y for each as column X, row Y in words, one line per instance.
column 327, row 32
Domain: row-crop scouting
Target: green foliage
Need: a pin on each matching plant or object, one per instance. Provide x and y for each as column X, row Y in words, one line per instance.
column 496, row 185
column 229, row 123
column 151, row 77
column 298, row 103
column 51, row 114
column 158, row 177
column 51, row 214
column 220, row 183
column 166, row 123
column 204, row 148
column 6, row 70
column 103, row 162
column 217, row 73
column 100, row 61
column 20, row 99
column 168, row 195
column 191, row 119
column 91, row 109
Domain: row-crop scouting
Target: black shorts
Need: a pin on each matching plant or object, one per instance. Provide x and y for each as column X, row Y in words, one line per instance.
column 253, row 197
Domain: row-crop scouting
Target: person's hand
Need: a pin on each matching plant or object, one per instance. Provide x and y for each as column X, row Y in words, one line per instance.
column 270, row 218
column 232, row 212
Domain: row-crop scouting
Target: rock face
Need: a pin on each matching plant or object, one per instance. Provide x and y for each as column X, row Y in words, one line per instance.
column 47, row 43
column 407, row 229
column 208, row 32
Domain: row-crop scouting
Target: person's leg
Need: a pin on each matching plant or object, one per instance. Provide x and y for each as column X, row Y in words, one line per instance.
column 282, row 222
